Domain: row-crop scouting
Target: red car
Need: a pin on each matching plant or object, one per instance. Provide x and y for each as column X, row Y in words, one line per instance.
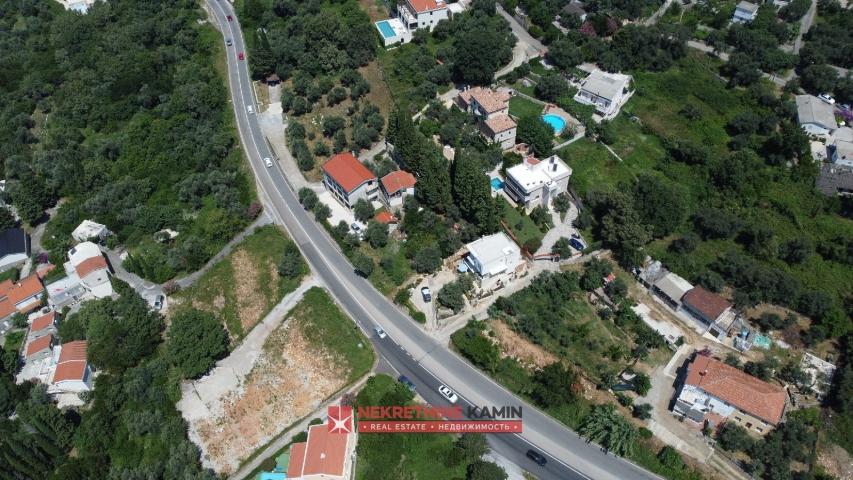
column 229, row 18
column 240, row 56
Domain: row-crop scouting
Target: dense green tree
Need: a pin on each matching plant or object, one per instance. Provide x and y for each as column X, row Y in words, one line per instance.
column 533, row 131
column 642, row 384
column 562, row 248
column 196, row 340
column 553, row 385
column 659, row 204
column 363, row 264
column 452, row 295
column 427, row 260
column 551, row 87
column 291, row 264
column 307, row 198
column 472, row 192
column 7, row 220
column 122, row 332
column 484, row 470
column 606, row 427
column 362, row 210
column 376, row 234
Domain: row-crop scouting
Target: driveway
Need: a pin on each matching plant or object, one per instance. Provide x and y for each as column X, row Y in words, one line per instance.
column 526, row 48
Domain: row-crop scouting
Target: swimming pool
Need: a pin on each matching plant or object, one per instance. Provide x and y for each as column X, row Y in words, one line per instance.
column 497, row 184
column 556, row 122
column 386, row 29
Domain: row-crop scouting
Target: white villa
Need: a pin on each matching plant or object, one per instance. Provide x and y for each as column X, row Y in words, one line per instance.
column 536, row 182
column 745, row 12
column 606, row 91
column 81, row 6
column 417, row 14
column 495, row 260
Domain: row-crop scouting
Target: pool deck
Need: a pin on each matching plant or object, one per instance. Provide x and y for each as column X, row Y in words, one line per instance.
column 401, row 33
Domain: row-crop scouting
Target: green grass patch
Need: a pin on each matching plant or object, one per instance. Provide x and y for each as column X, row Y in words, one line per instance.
column 326, row 327
column 245, row 285
column 520, row 224
column 521, row 107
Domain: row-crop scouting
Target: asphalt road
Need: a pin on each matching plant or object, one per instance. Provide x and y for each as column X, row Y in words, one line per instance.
column 412, row 352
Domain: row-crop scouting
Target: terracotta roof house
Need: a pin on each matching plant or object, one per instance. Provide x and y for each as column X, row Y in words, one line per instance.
column 416, row 14
column 484, row 102
column 87, row 263
column 349, row 180
column 711, row 310
column 23, row 296
column 39, row 348
column 43, row 325
column 72, row 373
column 324, row 455
column 491, row 107
column 500, row 129
column 396, row 186
column 713, row 388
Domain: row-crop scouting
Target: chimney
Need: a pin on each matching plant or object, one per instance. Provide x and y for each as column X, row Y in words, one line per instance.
column 554, row 168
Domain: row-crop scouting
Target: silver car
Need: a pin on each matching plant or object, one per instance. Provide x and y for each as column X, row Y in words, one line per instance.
column 447, row 393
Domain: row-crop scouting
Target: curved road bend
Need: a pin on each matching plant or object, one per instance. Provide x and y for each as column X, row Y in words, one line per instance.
column 407, row 347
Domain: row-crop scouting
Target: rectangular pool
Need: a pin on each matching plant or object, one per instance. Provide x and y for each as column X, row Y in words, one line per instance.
column 386, row 29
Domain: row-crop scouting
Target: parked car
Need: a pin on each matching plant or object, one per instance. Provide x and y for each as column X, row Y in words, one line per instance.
column 241, row 56
column 426, row 294
column 405, row 381
column 250, row 109
column 158, row 302
column 577, row 244
column 537, row 457
column 268, row 162
column 827, row 98
column 228, row 42
column 229, row 18
column 380, row 333
column 447, row 393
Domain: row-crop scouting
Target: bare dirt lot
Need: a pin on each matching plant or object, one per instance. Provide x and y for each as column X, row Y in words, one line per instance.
column 290, row 378
column 515, row 346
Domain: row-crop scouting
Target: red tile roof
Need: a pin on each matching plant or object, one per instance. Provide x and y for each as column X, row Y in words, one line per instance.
column 43, row 322
column 69, row 371
column 39, row 345
column 347, row 171
column 73, row 351
column 426, row 5
column 385, row 217
column 398, row 180
column 707, row 303
column 326, row 453
column 499, row 123
column 23, row 289
column 90, row 265
column 747, row 393
column 14, row 293
column 72, row 362
column 297, row 460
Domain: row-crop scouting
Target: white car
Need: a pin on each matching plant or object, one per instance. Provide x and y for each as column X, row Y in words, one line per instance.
column 268, row 162
column 250, row 109
column 380, row 333
column 827, row 98
column 447, row 393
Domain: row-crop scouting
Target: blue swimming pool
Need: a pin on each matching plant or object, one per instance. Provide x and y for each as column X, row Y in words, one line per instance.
column 556, row 122
column 386, row 29
column 497, row 184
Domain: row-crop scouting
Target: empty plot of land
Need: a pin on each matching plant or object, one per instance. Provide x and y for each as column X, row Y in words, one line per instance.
column 243, row 287
column 250, row 399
